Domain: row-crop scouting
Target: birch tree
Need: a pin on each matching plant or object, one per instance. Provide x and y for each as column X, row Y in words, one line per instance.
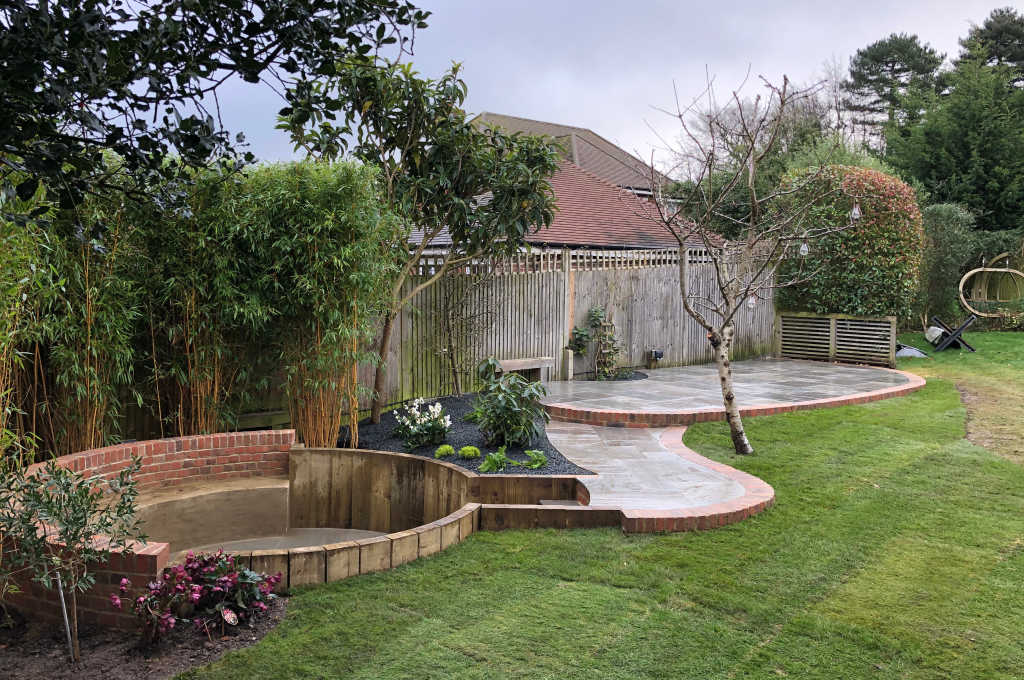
column 722, row 151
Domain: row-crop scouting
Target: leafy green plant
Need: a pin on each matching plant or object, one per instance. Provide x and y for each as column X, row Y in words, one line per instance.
column 210, row 590
column 444, row 450
column 870, row 265
column 579, row 338
column 53, row 517
column 508, row 409
column 948, row 246
column 469, row 452
column 324, row 269
column 537, row 459
column 606, row 350
column 496, row 461
column 420, row 426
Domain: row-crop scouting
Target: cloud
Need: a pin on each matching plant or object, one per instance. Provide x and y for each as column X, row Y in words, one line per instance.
column 606, row 64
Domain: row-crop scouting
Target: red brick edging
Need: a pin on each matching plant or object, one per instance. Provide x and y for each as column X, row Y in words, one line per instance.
column 642, row 419
column 758, row 495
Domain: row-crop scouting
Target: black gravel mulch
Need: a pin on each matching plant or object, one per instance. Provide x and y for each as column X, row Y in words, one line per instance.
column 380, row 437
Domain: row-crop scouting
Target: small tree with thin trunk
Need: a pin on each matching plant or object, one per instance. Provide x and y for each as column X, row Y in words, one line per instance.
column 722, row 150
column 469, row 192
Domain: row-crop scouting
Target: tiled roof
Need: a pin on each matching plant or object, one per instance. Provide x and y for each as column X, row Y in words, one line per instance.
column 585, row 148
column 593, row 212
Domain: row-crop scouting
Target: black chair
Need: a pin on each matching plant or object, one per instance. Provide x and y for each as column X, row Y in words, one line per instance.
column 950, row 336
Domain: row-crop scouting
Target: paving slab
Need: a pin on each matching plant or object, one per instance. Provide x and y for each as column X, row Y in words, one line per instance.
column 759, row 382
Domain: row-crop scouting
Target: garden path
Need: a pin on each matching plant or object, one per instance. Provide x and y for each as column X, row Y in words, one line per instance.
column 630, row 432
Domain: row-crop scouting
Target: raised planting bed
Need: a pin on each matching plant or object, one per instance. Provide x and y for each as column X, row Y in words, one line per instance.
column 381, row 437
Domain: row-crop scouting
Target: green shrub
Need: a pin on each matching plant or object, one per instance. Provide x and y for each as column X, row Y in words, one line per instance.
column 468, row 452
column 578, row 339
column 508, row 409
column 949, row 244
column 497, row 461
column 444, row 450
column 870, row 268
column 537, row 459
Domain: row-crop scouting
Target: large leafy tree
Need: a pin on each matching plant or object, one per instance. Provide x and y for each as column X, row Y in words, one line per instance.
column 969, row 146
column 882, row 74
column 999, row 41
column 81, row 77
column 470, row 192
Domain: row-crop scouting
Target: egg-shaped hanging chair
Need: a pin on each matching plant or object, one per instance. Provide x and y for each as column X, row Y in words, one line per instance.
column 995, row 290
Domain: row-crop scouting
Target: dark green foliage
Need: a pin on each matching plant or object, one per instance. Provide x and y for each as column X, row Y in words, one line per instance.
column 496, row 461
column 468, row 452
column 882, row 73
column 537, row 459
column 81, row 78
column 949, row 243
column 444, row 450
column 579, row 338
column 198, row 315
column 870, row 268
column 969, row 147
column 998, row 41
column 508, row 409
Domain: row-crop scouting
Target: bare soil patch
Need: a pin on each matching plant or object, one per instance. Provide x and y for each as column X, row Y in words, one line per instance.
column 37, row 651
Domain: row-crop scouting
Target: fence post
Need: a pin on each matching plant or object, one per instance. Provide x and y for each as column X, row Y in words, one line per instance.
column 832, row 337
column 567, row 313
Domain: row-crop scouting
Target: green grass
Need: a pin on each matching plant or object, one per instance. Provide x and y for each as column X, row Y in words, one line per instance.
column 895, row 550
column 992, row 380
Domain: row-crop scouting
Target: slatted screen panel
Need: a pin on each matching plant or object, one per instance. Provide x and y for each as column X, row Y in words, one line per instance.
column 806, row 337
column 864, row 341
column 852, row 340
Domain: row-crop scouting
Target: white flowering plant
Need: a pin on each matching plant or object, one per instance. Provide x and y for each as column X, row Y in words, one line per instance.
column 420, row 425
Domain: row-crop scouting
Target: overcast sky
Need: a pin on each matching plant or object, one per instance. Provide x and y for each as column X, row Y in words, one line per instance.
column 604, row 64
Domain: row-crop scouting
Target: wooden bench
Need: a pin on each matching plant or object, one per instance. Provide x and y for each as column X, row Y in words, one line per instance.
column 530, row 368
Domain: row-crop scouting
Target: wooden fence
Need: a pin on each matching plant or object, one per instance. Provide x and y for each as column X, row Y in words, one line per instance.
column 837, row 337
column 526, row 307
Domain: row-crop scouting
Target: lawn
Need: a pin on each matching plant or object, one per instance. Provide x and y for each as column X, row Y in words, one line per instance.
column 895, row 550
column 992, row 381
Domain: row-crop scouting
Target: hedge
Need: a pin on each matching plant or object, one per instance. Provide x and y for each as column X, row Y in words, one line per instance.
column 871, row 265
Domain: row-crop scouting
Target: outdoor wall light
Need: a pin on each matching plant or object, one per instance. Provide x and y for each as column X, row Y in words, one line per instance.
column 855, row 212
column 653, row 356
column 804, row 249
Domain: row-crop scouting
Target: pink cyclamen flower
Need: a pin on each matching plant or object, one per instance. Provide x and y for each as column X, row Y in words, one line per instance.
column 115, row 601
column 125, row 584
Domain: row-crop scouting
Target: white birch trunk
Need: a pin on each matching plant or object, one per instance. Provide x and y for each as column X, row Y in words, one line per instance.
column 722, row 346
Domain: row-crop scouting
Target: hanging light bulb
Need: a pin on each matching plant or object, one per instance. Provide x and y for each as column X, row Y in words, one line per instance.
column 751, row 302
column 804, row 249
column 855, row 212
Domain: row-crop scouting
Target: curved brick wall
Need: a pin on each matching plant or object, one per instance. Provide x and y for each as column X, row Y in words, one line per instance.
column 165, row 463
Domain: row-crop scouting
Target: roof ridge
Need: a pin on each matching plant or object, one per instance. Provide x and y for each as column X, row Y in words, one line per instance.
column 619, row 160
column 534, row 120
